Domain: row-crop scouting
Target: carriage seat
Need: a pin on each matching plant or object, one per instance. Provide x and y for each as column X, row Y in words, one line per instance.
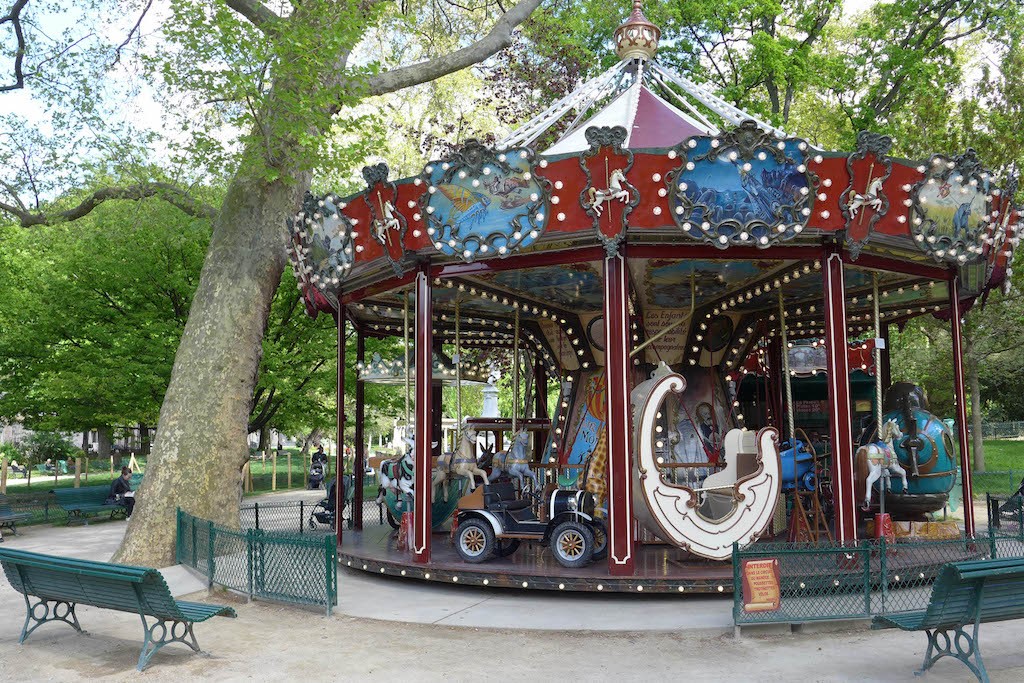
column 741, row 457
column 503, row 497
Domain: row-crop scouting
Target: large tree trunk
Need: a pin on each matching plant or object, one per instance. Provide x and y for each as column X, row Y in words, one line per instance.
column 103, row 442
column 974, row 385
column 200, row 445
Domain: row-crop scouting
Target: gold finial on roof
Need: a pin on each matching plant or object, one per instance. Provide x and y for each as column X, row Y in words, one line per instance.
column 637, row 38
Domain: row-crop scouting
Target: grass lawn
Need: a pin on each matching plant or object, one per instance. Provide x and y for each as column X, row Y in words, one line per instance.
column 1004, row 454
column 1004, row 468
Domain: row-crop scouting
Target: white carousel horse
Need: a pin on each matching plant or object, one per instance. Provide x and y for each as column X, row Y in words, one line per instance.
column 879, row 455
column 387, row 223
column 734, row 505
column 615, row 191
column 461, row 463
column 397, row 474
column 515, row 462
column 869, row 198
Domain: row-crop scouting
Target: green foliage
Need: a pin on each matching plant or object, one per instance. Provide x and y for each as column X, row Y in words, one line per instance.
column 40, row 446
column 91, row 314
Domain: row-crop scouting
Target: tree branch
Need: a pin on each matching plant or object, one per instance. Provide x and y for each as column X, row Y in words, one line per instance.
column 131, row 34
column 14, row 17
column 169, row 193
column 498, row 39
column 258, row 14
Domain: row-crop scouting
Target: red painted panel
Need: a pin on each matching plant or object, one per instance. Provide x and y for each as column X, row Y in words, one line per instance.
column 648, row 175
column 416, row 237
column 359, row 211
column 833, row 179
column 567, row 215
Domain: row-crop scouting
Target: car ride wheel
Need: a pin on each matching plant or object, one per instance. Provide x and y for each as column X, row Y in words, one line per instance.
column 474, row 540
column 600, row 539
column 506, row 547
column 572, row 544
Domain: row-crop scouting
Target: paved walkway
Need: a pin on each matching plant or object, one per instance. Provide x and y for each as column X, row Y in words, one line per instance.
column 459, row 634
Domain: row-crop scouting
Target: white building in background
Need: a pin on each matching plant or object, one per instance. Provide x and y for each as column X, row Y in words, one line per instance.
column 13, row 433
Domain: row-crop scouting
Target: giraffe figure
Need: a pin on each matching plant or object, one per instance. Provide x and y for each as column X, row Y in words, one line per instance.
column 594, row 477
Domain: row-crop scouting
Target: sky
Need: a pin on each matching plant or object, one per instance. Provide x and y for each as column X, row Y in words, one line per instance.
column 144, row 106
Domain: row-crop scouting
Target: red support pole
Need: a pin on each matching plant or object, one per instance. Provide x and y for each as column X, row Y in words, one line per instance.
column 338, row 461
column 359, row 464
column 838, row 370
column 961, row 405
column 424, row 419
column 617, row 425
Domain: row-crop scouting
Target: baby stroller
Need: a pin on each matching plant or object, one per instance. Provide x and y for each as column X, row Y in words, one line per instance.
column 317, row 472
column 323, row 513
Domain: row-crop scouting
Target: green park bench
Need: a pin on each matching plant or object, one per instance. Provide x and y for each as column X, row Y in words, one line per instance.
column 61, row 583
column 79, row 503
column 8, row 517
column 964, row 593
column 62, row 468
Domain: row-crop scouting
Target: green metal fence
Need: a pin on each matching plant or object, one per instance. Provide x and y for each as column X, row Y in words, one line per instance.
column 827, row 582
column 290, row 567
column 1002, row 481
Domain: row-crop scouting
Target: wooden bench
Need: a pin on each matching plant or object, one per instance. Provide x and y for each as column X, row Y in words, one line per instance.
column 8, row 517
column 964, row 593
column 59, row 584
column 81, row 502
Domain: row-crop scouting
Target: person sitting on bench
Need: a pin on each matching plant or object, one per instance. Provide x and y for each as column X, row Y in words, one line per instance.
column 120, row 489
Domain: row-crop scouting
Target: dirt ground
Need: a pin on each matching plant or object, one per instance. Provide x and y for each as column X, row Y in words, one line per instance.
column 272, row 642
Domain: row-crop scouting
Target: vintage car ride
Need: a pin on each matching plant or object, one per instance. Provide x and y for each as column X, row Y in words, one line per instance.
column 492, row 521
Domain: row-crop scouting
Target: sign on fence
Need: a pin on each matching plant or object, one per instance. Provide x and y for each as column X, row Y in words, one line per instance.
column 761, row 585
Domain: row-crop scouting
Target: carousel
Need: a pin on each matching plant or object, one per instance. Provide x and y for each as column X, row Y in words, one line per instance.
column 693, row 309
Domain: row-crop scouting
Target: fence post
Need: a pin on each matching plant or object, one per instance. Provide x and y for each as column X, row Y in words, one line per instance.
column 737, row 589
column 330, row 549
column 289, row 470
column 195, row 543
column 302, row 515
column 992, row 549
column 884, row 570
column 865, row 551
column 256, row 506
column 211, row 566
column 249, row 542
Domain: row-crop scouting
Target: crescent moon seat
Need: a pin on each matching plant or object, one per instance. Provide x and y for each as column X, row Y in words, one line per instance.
column 733, row 505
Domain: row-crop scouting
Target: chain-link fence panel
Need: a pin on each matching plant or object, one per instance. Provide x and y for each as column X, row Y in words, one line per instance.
column 293, row 567
column 795, row 583
column 814, row 582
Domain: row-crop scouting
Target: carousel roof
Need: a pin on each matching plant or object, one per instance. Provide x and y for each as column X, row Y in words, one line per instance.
column 721, row 212
column 649, row 121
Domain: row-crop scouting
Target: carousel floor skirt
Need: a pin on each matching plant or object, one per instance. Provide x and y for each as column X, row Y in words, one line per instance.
column 659, row 568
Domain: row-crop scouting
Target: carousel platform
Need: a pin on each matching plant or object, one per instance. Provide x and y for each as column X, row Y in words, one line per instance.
column 659, row 568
